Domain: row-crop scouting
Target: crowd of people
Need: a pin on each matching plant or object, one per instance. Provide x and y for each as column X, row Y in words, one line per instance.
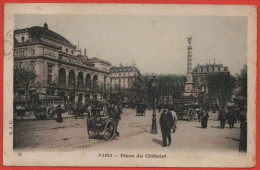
column 229, row 114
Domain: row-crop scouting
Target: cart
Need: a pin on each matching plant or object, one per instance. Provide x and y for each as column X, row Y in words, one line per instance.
column 47, row 110
column 140, row 109
column 101, row 126
column 185, row 109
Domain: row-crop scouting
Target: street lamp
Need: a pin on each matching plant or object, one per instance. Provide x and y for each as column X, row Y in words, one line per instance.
column 154, row 85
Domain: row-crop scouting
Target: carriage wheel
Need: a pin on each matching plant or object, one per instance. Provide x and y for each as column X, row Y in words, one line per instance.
column 109, row 131
column 191, row 114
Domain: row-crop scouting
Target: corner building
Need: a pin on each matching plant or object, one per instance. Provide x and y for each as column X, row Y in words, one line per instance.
column 60, row 66
column 122, row 79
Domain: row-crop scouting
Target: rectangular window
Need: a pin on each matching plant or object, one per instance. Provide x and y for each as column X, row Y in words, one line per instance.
column 49, row 69
column 21, row 64
column 49, row 79
column 22, row 53
column 50, row 66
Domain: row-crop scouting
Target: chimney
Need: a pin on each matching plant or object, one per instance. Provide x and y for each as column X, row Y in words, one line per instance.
column 45, row 25
column 85, row 52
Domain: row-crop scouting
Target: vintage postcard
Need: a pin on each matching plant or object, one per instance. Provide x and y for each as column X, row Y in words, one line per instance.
column 130, row 85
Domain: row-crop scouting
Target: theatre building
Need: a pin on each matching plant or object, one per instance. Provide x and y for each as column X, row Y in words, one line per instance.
column 60, row 66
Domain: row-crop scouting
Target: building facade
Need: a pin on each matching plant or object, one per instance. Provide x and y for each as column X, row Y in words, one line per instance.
column 59, row 69
column 122, row 79
column 200, row 74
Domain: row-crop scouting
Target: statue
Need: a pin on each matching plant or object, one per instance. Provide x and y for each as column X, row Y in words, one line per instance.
column 189, row 39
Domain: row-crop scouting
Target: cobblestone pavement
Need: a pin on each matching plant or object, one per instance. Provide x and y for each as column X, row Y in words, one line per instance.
column 72, row 133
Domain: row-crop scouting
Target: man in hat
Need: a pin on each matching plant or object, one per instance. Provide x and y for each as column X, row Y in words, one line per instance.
column 222, row 116
column 116, row 112
column 166, row 123
column 231, row 116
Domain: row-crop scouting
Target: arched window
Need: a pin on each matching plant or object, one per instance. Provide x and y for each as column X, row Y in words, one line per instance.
column 62, row 77
column 80, row 80
column 88, row 81
column 72, row 79
column 95, row 79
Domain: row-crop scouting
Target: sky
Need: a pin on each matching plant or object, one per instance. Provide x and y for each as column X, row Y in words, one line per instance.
column 157, row 44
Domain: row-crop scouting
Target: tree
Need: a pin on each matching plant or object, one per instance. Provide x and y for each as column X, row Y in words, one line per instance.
column 242, row 81
column 169, row 87
column 24, row 80
column 220, row 85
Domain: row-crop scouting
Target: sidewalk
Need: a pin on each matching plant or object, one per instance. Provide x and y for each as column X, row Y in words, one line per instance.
column 32, row 116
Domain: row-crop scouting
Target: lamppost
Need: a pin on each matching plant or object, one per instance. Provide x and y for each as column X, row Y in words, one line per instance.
column 154, row 85
column 219, row 95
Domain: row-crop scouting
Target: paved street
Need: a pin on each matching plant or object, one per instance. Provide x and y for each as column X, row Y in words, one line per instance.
column 134, row 133
column 189, row 137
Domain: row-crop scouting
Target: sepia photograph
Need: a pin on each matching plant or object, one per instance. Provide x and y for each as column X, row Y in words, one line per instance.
column 129, row 85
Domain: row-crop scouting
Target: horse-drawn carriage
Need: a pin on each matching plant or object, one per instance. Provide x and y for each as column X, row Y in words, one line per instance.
column 186, row 108
column 47, row 108
column 140, row 109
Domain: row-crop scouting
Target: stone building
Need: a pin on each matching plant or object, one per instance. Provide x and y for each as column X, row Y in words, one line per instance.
column 122, row 79
column 58, row 65
column 201, row 72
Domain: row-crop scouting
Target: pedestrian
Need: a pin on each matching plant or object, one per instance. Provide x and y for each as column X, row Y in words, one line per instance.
column 116, row 112
column 198, row 111
column 175, row 118
column 222, row 116
column 204, row 118
column 243, row 116
column 231, row 117
column 166, row 123
column 59, row 112
column 159, row 108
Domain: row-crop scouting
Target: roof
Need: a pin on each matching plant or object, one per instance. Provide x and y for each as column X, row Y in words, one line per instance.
column 123, row 69
column 210, row 66
column 38, row 31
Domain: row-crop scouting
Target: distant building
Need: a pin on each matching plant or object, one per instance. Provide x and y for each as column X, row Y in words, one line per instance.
column 201, row 72
column 60, row 67
column 123, row 77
